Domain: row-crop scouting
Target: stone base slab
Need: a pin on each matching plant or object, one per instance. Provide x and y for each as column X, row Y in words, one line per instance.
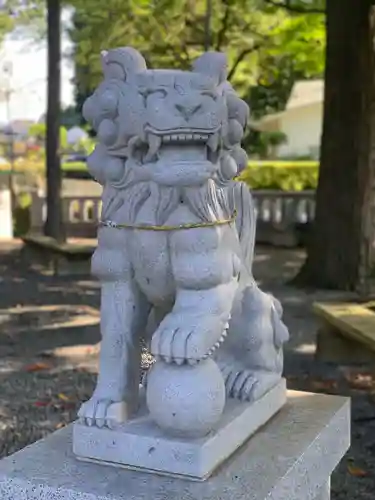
column 290, row 458
column 140, row 444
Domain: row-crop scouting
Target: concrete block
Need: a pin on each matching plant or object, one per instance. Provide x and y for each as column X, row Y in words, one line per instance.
column 290, row 458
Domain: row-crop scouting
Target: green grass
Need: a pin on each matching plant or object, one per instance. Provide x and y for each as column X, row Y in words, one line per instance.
column 284, row 164
column 79, row 166
column 284, row 175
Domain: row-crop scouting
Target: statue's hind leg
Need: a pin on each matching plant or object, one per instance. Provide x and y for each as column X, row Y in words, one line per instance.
column 123, row 316
column 251, row 359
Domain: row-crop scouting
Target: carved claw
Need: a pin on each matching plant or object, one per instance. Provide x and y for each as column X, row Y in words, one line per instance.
column 102, row 413
column 248, row 385
column 187, row 339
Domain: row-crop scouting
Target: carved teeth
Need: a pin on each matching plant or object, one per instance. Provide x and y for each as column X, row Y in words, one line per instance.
column 185, row 137
column 133, row 143
column 213, row 142
column 154, row 142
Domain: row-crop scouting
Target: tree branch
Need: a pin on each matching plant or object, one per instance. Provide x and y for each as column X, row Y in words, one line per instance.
column 240, row 58
column 225, row 23
column 293, row 8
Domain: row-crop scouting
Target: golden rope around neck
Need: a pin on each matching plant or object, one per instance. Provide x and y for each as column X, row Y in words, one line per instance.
column 150, row 227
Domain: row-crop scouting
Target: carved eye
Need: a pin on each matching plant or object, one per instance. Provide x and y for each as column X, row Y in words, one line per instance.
column 159, row 92
column 162, row 93
column 210, row 93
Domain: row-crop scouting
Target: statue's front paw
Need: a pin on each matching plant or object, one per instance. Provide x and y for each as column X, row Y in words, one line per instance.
column 102, row 412
column 181, row 339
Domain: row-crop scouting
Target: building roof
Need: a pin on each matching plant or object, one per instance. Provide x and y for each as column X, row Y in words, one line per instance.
column 306, row 92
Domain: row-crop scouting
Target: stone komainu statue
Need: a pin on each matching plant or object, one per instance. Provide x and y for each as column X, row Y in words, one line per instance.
column 176, row 240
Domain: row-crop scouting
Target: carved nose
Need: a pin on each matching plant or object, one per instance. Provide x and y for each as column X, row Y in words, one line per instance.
column 187, row 110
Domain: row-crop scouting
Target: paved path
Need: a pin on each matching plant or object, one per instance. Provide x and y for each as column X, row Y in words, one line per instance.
column 48, row 356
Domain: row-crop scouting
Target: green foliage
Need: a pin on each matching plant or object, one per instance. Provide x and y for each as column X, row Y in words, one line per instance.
column 21, row 215
column 268, row 46
column 69, row 117
column 28, row 16
column 74, row 166
column 6, row 23
column 287, row 176
column 262, row 144
column 284, row 175
column 39, row 132
column 170, row 33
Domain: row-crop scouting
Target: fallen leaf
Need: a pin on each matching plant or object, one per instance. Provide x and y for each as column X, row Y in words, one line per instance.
column 41, row 403
column 356, row 471
column 360, row 381
column 36, row 367
column 323, row 385
column 68, row 406
column 63, row 397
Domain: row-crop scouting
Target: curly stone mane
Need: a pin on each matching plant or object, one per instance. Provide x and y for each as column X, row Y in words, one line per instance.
column 134, row 158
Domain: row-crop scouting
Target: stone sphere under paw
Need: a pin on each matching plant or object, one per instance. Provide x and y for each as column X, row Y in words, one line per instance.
column 186, row 401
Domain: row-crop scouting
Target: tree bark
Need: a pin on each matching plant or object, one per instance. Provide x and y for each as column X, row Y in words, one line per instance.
column 336, row 249
column 53, row 226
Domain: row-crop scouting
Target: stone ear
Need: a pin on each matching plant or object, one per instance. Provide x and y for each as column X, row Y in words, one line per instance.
column 122, row 62
column 214, row 64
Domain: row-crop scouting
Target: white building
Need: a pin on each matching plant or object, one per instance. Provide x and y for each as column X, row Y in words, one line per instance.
column 301, row 121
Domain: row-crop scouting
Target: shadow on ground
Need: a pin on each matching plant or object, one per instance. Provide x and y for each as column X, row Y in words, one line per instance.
column 49, row 348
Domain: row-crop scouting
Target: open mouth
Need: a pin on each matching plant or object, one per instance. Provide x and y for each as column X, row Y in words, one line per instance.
column 157, row 139
column 154, row 141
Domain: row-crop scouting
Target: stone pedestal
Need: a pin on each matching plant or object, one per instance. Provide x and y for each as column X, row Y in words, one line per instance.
column 141, row 445
column 290, row 458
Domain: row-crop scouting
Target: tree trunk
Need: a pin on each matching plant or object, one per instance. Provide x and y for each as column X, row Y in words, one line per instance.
column 336, row 248
column 207, row 26
column 53, row 226
column 368, row 248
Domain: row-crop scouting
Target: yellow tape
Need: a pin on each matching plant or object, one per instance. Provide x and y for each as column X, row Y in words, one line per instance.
column 149, row 227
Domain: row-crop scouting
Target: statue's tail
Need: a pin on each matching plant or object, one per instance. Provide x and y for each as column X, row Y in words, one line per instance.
column 281, row 332
column 245, row 221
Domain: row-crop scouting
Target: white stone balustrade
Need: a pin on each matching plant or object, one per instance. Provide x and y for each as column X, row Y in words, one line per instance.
column 275, row 209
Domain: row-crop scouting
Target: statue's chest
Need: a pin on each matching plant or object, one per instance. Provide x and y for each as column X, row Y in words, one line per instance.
column 151, row 261
column 152, row 264
column 150, row 253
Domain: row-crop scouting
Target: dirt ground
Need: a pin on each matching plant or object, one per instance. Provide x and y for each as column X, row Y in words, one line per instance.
column 49, row 334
